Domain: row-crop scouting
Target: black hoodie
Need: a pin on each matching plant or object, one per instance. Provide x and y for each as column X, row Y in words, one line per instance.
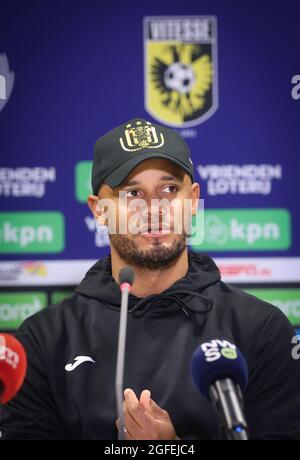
column 163, row 332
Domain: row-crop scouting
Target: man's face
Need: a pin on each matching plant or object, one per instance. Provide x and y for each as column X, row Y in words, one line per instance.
column 148, row 212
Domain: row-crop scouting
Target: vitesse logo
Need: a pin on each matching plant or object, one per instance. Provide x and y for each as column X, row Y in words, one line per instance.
column 181, row 69
column 140, row 135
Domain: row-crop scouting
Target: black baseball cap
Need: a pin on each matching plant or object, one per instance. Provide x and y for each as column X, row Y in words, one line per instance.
column 119, row 151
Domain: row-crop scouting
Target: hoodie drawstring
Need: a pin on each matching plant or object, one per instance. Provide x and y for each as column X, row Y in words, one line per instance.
column 146, row 304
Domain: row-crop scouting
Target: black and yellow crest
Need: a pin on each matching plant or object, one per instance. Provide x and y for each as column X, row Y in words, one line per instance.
column 141, row 135
column 180, row 69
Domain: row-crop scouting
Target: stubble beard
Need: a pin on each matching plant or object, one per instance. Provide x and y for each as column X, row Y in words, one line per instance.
column 158, row 257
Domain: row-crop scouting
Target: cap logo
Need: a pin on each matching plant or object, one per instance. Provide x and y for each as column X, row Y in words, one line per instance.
column 140, row 136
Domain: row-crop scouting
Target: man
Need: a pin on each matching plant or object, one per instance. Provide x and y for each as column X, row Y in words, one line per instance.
column 178, row 301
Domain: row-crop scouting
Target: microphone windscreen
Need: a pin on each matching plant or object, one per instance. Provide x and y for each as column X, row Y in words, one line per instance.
column 217, row 359
column 13, row 366
column 126, row 275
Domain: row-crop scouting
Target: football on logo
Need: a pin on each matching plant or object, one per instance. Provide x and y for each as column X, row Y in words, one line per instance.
column 179, row 77
column 180, row 69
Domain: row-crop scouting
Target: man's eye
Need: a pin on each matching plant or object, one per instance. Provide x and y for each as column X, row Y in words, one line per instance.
column 132, row 193
column 170, row 189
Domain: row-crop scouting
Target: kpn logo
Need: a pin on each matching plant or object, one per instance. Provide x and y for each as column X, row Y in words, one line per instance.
column 31, row 232
column 7, row 78
column 246, row 230
column 16, row 307
column 180, row 69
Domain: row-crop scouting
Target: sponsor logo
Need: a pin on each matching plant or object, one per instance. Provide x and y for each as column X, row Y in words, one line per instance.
column 244, row 179
column 15, row 271
column 246, row 230
column 215, row 349
column 31, row 232
column 51, row 273
column 7, row 78
column 34, row 268
column 78, row 360
column 20, row 182
column 180, row 68
column 287, row 300
column 246, row 269
column 11, row 273
column 83, row 187
column 16, row 307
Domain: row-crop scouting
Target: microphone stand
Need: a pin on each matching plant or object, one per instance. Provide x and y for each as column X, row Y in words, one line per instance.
column 227, row 399
column 125, row 288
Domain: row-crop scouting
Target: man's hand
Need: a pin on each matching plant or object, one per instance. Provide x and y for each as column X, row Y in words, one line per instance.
column 144, row 419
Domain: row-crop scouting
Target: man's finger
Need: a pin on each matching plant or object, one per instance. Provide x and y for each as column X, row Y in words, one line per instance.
column 134, row 407
column 130, row 394
column 134, row 430
column 145, row 399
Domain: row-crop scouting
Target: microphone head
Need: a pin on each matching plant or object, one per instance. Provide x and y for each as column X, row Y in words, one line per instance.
column 13, row 366
column 218, row 359
column 126, row 275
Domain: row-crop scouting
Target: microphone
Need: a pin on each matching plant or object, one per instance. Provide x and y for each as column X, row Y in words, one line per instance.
column 126, row 278
column 13, row 366
column 220, row 373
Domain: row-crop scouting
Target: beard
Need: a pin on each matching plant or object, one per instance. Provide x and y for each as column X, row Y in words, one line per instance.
column 158, row 257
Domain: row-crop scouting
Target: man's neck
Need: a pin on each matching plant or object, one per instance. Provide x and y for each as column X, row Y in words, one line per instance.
column 148, row 282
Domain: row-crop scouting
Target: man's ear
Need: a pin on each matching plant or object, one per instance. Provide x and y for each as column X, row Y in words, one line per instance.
column 98, row 211
column 195, row 189
column 92, row 202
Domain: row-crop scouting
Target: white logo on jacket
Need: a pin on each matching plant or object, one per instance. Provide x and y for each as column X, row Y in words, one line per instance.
column 78, row 360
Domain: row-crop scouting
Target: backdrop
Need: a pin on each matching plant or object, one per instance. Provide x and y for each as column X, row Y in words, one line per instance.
column 224, row 73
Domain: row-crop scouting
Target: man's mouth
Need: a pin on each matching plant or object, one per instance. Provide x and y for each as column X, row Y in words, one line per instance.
column 155, row 230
